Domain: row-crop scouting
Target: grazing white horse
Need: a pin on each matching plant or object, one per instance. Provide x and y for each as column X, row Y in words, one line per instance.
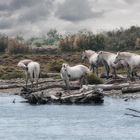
column 108, row 59
column 77, row 72
column 92, row 58
column 23, row 63
column 32, row 70
column 132, row 59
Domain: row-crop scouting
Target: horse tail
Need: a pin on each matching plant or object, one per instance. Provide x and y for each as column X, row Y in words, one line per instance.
column 33, row 74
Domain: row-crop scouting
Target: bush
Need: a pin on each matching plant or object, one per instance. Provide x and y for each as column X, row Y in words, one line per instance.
column 92, row 79
column 55, row 66
column 82, row 41
column 3, row 43
column 16, row 47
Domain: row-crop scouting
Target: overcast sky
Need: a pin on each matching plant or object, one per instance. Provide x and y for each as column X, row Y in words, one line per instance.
column 36, row 17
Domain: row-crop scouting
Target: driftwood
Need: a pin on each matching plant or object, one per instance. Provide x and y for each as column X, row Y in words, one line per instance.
column 133, row 115
column 88, row 97
column 119, row 80
column 134, row 110
column 16, row 85
column 131, row 89
column 109, row 86
column 48, row 87
column 76, row 87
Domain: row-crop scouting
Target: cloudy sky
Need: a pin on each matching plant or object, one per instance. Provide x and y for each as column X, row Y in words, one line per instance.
column 36, row 17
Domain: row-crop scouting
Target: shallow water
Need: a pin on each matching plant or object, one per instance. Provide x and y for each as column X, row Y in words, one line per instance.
column 21, row 121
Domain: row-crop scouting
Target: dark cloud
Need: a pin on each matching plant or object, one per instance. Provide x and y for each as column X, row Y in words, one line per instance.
column 38, row 12
column 25, row 11
column 76, row 10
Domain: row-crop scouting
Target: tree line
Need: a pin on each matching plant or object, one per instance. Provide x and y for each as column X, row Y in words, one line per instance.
column 116, row 40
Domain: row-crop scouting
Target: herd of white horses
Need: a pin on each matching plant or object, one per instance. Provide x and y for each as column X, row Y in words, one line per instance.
column 111, row 62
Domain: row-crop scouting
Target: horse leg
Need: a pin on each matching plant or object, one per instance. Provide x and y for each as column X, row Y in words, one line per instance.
column 36, row 82
column 84, row 80
column 107, row 68
column 67, row 84
column 81, row 82
column 97, row 74
column 107, row 71
column 114, row 72
column 32, row 83
column 91, row 68
column 32, row 80
column 132, row 74
column 128, row 72
column 26, row 81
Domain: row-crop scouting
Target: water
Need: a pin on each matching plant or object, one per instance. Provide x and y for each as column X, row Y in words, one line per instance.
column 21, row 121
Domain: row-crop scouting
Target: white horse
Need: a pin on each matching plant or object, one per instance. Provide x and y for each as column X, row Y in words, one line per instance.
column 32, row 70
column 92, row 58
column 23, row 63
column 108, row 59
column 132, row 59
column 77, row 72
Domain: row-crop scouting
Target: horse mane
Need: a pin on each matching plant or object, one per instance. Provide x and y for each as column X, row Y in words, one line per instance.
column 89, row 52
column 105, row 52
column 127, row 54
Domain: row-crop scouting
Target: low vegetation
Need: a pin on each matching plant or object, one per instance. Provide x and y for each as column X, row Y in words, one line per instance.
column 93, row 79
column 52, row 49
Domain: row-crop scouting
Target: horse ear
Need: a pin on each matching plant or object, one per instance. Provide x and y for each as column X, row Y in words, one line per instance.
column 118, row 53
column 101, row 52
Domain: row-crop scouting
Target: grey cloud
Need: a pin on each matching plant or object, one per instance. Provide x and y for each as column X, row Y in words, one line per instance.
column 26, row 10
column 76, row 10
column 34, row 17
column 36, row 13
column 5, row 24
column 21, row 13
column 131, row 1
column 17, row 4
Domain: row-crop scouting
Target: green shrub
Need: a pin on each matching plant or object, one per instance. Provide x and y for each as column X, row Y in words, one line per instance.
column 55, row 65
column 92, row 79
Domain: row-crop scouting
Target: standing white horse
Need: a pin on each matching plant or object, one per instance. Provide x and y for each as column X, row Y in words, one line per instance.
column 132, row 59
column 77, row 72
column 32, row 70
column 92, row 58
column 108, row 59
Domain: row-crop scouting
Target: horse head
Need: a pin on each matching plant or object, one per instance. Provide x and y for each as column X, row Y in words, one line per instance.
column 64, row 65
column 83, row 56
column 22, row 65
column 64, row 71
column 99, row 57
column 118, row 58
